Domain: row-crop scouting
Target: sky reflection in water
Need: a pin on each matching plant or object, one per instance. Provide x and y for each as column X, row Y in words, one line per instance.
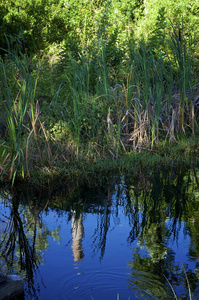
column 129, row 237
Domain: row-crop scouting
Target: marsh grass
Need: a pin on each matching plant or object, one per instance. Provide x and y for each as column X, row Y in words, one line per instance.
column 183, row 62
column 98, row 110
column 15, row 106
column 86, row 75
column 17, row 100
column 153, row 102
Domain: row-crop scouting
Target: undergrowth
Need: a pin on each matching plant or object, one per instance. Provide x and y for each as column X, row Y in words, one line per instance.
column 84, row 112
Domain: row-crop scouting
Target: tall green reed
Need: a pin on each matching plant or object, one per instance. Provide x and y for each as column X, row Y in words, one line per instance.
column 144, row 103
column 157, row 89
column 183, row 62
column 78, row 79
column 17, row 94
column 104, row 71
column 129, row 91
column 87, row 77
column 157, row 77
column 148, row 107
column 141, row 65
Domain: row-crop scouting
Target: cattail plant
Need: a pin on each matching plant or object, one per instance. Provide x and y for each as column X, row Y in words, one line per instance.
column 16, row 96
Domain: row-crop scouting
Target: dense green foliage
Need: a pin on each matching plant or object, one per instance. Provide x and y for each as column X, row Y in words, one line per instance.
column 87, row 80
column 40, row 23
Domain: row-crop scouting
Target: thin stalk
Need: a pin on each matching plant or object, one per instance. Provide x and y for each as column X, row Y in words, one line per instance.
column 190, row 297
column 183, row 63
column 104, row 70
column 157, row 88
column 129, row 91
column 118, row 134
column 171, row 287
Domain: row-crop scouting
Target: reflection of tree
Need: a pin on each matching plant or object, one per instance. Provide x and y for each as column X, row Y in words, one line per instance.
column 157, row 206
column 105, row 212
column 16, row 249
column 100, row 233
column 23, row 239
column 192, row 213
column 77, row 234
column 167, row 196
column 146, row 276
column 153, row 238
column 14, row 235
column 151, row 279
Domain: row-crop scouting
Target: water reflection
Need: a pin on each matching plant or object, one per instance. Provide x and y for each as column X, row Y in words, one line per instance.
column 77, row 235
column 158, row 212
column 17, row 249
column 165, row 212
column 151, row 276
column 23, row 237
column 149, row 286
column 101, row 230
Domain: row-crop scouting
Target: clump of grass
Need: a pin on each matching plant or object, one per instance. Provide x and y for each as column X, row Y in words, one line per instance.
column 17, row 95
column 152, row 103
column 104, row 111
column 18, row 107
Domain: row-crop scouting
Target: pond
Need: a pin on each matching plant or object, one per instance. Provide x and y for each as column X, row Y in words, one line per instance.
column 125, row 237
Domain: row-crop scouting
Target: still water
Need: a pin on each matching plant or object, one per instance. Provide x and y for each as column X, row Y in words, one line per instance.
column 123, row 238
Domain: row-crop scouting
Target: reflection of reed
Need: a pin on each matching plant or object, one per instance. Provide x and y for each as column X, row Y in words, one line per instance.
column 14, row 235
column 149, row 286
column 15, row 245
column 77, row 234
column 100, row 234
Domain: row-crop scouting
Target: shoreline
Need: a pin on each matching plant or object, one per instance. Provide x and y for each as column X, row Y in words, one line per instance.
column 185, row 152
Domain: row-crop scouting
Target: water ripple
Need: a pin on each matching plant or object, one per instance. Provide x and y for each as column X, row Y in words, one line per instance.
column 96, row 285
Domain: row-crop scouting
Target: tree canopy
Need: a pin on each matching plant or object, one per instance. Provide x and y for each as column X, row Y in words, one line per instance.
column 40, row 23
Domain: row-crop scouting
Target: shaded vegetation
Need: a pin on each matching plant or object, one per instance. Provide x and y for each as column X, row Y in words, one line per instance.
column 92, row 82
